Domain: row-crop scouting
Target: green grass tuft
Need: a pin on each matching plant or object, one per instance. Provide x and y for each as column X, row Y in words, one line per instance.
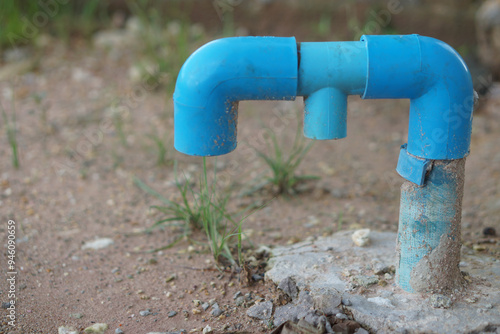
column 283, row 166
column 200, row 209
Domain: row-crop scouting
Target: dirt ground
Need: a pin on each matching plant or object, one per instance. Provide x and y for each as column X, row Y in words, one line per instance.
column 75, row 184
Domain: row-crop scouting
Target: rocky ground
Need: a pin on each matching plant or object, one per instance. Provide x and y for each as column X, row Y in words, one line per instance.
column 86, row 126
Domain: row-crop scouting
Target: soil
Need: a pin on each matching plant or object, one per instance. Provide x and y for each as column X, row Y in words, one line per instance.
column 75, row 184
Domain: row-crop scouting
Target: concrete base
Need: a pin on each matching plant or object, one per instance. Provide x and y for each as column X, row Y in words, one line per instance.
column 363, row 277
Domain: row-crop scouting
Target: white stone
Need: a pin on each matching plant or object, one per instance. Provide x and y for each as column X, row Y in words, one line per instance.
column 98, row 243
column 361, row 237
column 207, row 329
column 99, row 328
column 66, row 330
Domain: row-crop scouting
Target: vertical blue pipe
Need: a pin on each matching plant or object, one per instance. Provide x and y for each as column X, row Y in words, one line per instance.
column 429, row 229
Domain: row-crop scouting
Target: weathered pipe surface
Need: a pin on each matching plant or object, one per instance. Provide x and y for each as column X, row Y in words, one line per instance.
column 429, row 230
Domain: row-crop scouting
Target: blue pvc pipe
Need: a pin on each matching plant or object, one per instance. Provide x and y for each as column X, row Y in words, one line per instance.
column 328, row 72
column 220, row 74
column 426, row 71
column 429, row 230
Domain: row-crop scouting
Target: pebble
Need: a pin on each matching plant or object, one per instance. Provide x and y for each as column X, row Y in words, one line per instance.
column 207, row 329
column 76, row 315
column 5, row 305
column 98, row 243
column 288, row 286
column 205, row 306
column 239, row 301
column 145, row 313
column 98, row 328
column 172, row 314
column 489, row 232
column 170, row 278
column 366, row 281
column 237, row 294
column 361, row 237
column 327, row 302
column 118, row 331
column 216, row 311
column 361, row 331
column 341, row 316
column 380, row 268
column 257, row 277
column 440, row 301
column 66, row 330
column 346, row 302
column 262, row 311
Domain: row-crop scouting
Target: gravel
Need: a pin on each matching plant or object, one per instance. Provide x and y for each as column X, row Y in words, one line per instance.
column 440, row 301
column 216, row 311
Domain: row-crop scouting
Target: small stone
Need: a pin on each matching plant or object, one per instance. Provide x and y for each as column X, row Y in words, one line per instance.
column 207, row 329
column 118, row 331
column 478, row 247
column 216, row 311
column 380, row 268
column 289, row 287
column 66, row 330
column 257, row 277
column 361, row 331
column 488, row 306
column 5, row 305
column 388, row 276
column 98, row 244
column 239, row 301
column 361, row 237
column 145, row 313
column 471, row 300
column 327, row 302
column 346, row 302
column 366, row 281
column 76, row 315
column 489, row 232
column 197, row 302
column 98, row 328
column 205, row 306
column 171, row 314
column 440, row 301
column 170, row 278
column 341, row 316
column 237, row 294
column 262, row 311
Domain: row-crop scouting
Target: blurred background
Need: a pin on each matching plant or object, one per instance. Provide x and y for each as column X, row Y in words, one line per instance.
column 170, row 30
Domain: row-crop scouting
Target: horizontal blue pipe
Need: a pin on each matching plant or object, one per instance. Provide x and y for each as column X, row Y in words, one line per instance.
column 426, row 71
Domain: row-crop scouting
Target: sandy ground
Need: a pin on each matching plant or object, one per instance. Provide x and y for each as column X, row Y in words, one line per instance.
column 75, row 184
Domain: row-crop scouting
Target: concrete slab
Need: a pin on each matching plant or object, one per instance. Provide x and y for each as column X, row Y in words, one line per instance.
column 335, row 265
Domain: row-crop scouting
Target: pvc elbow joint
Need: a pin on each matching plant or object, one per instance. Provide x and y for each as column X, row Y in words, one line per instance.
column 220, row 74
